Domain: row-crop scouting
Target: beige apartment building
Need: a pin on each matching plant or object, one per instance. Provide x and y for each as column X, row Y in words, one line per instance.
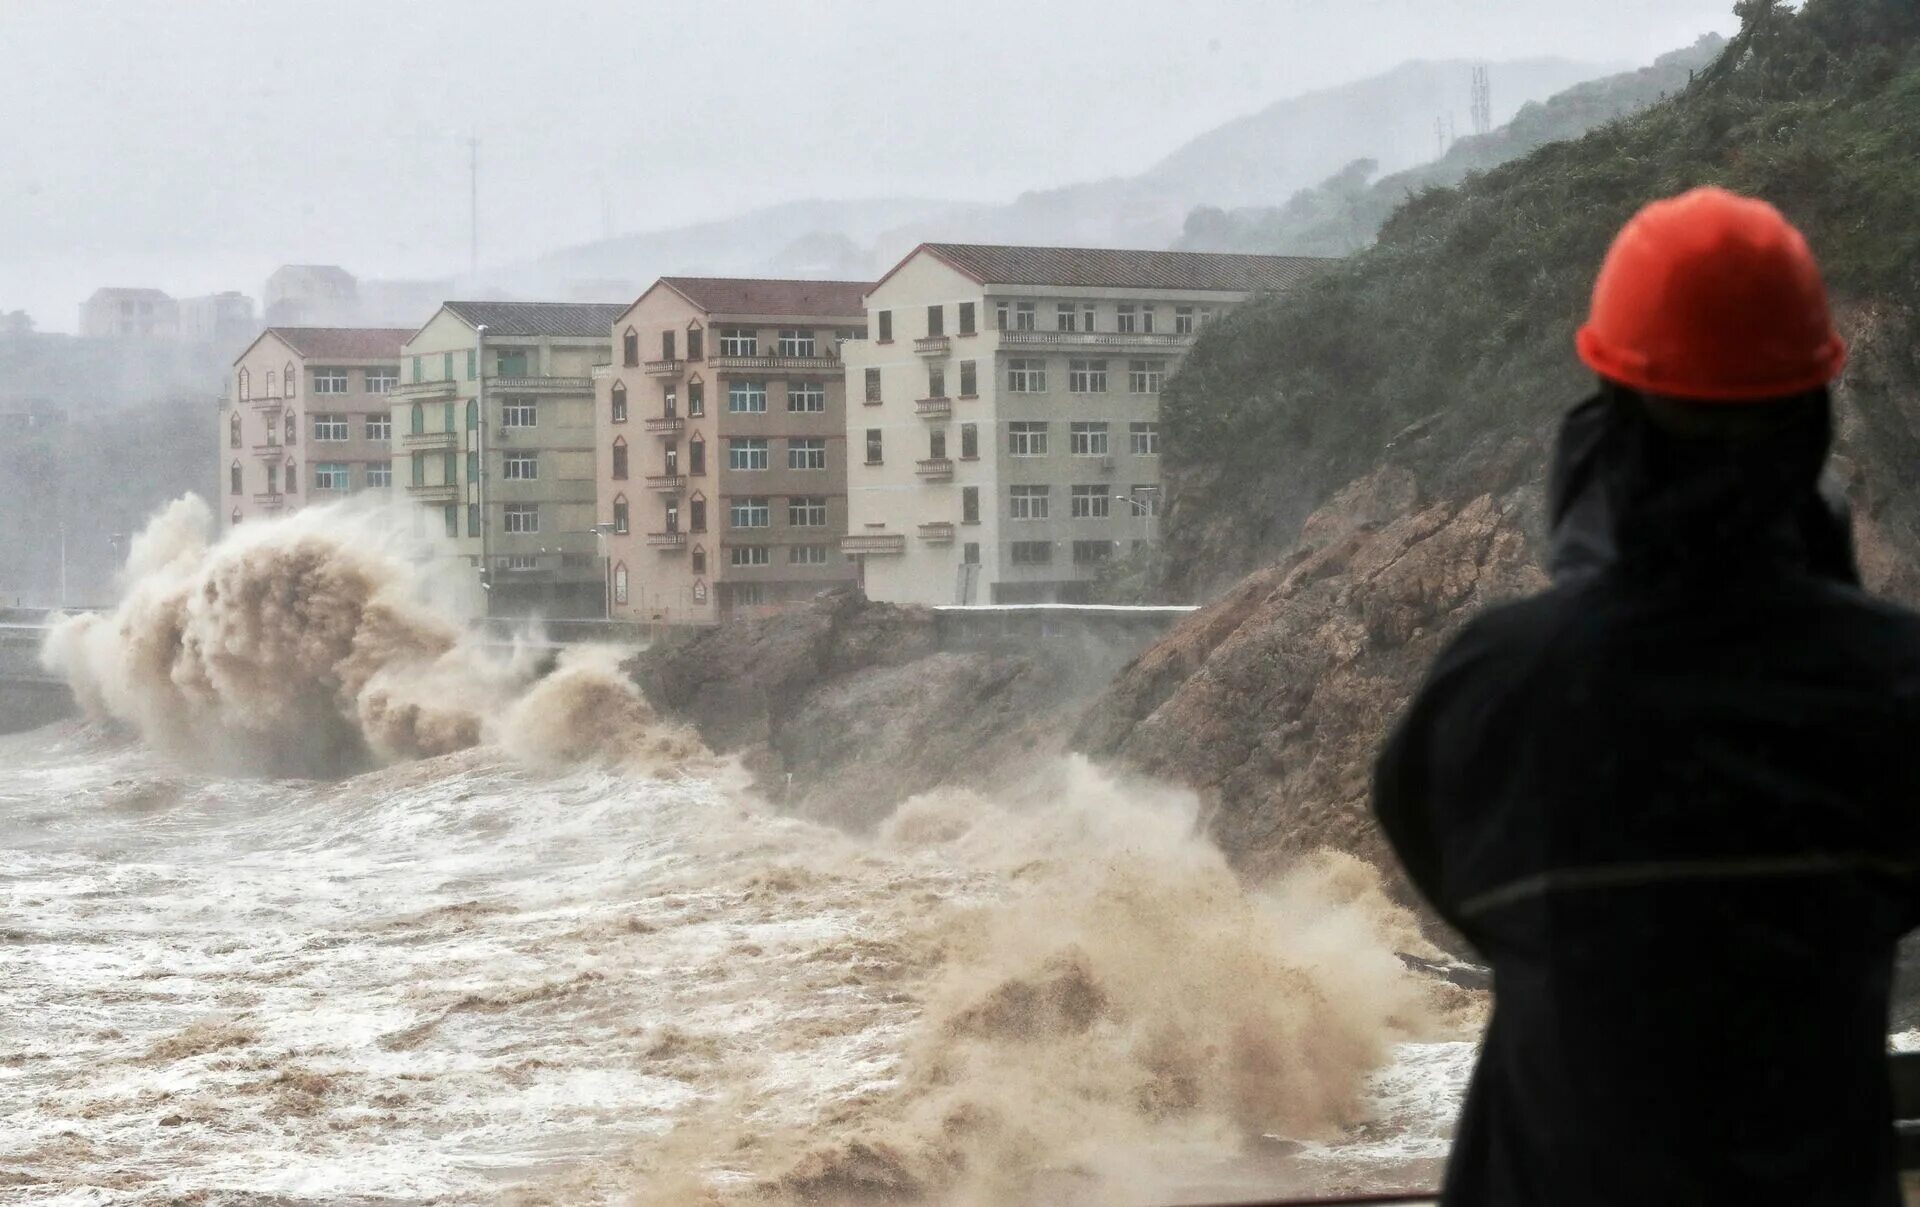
column 493, row 437
column 305, row 418
column 130, row 313
column 722, row 437
column 1006, row 433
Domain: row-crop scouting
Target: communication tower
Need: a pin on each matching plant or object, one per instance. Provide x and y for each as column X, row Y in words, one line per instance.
column 1482, row 101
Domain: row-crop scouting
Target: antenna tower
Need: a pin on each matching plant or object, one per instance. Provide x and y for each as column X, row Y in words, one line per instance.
column 1482, row 101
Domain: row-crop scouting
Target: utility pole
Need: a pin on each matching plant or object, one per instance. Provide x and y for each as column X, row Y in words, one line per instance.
column 473, row 207
column 480, row 446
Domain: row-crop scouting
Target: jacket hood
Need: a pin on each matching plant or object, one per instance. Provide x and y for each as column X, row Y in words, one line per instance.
column 1628, row 493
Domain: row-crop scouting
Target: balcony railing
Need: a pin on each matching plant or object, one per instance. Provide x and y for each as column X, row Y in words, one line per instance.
column 1164, row 340
column 270, row 402
column 667, row 481
column 438, row 492
column 537, row 385
column 934, row 408
column 664, row 368
column 667, row 540
column 934, row 468
column 937, row 533
column 271, row 500
column 269, row 450
column 440, row 439
column 933, row 345
column 665, row 425
column 874, row 542
column 788, row 364
column 421, row 391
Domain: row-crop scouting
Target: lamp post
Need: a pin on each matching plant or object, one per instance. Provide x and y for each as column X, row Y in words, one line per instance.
column 480, row 447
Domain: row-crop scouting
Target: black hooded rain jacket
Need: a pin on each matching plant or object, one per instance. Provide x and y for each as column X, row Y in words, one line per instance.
column 1674, row 801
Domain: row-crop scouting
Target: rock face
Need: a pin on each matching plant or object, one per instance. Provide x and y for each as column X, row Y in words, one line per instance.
column 844, row 708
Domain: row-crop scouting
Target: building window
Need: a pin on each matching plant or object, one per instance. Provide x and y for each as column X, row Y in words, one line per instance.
column 969, row 441
column 747, row 397
column 1087, row 376
column 736, row 341
column 379, row 474
column 293, row 427
column 520, row 467
column 873, row 386
column 245, row 385
column 697, row 513
column 330, row 428
column 1032, row 553
column 1091, row 502
column 617, row 407
column 808, row 452
column 1144, row 500
column 1146, row 320
column 873, row 446
column 419, row 464
column 273, row 478
column 699, row 560
column 806, row 397
column 696, row 398
column 970, row 505
column 520, row 561
column 1026, row 376
column 327, row 381
column 1066, row 316
column 293, row 476
column 807, row 511
column 382, row 379
column 236, row 515
column 1000, row 312
column 936, row 382
column 752, row 512
column 620, row 582
column 747, row 453
column 1024, row 316
column 510, row 362
column 969, row 380
column 1092, row 553
column 696, row 342
column 936, row 321
column 885, row 320
column 473, row 363
column 619, row 459
column 1087, row 439
column 332, row 475
column 1027, row 502
column 620, row 514
column 797, row 342
column 750, row 555
column 520, row 414
column 233, row 478
column 522, row 517
column 697, row 456
column 450, row 516
column 1027, row 438
column 630, row 348
column 966, row 318
column 1145, row 376
column 1127, row 320
column 937, row 444
column 379, row 427
column 970, row 553
column 743, row 595
column 233, row 430
column 1183, row 320
column 1143, row 439
column 807, row 555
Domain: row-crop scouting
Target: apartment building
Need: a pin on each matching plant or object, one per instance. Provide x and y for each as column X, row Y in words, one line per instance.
column 1007, row 429
column 493, row 436
column 722, row 437
column 130, row 313
column 305, row 419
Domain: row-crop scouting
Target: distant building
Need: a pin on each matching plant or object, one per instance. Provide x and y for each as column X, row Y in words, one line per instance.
column 512, row 490
column 305, row 418
column 123, row 313
column 723, row 446
column 224, row 320
column 310, row 295
column 1006, row 438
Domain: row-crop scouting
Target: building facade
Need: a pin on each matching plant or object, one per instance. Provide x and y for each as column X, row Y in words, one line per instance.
column 224, row 320
column 722, row 438
column 130, row 314
column 1006, row 428
column 305, row 418
column 493, row 438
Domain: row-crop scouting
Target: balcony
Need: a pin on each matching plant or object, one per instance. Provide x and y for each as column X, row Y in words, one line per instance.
column 933, row 345
column 937, row 533
column 539, row 385
column 666, row 425
column 270, row 450
column 667, row 540
column 667, row 482
column 269, row 500
column 664, row 368
column 780, row 364
column 1158, row 340
column 268, row 402
column 443, row 492
column 934, row 408
column 428, row 440
column 874, row 542
column 423, row 391
column 935, row 469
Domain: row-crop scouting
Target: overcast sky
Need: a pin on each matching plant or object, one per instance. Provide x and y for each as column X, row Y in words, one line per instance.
column 194, row 144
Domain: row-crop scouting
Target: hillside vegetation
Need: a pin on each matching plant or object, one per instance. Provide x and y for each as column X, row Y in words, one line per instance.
column 1450, row 339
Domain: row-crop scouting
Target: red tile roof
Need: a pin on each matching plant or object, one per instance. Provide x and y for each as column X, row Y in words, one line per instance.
column 347, row 343
column 1122, row 268
column 760, row 295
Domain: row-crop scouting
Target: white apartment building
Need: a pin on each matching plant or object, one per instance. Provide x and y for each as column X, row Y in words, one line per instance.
column 1003, row 413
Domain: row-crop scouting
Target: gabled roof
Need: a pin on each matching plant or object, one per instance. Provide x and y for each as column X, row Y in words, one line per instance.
column 1122, row 268
column 539, row 318
column 347, row 343
column 772, row 296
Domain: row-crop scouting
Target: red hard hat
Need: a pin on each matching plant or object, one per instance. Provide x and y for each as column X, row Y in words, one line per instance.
column 1715, row 297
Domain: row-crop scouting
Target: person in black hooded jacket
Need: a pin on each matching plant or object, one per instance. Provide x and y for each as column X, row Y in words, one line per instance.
column 1674, row 800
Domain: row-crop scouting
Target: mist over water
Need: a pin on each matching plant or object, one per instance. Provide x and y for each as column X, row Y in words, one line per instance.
column 556, row 953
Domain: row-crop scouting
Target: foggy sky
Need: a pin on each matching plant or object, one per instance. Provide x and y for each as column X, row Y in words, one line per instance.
column 194, row 146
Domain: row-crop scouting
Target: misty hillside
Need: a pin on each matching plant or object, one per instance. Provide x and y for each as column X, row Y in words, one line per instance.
column 1344, row 212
